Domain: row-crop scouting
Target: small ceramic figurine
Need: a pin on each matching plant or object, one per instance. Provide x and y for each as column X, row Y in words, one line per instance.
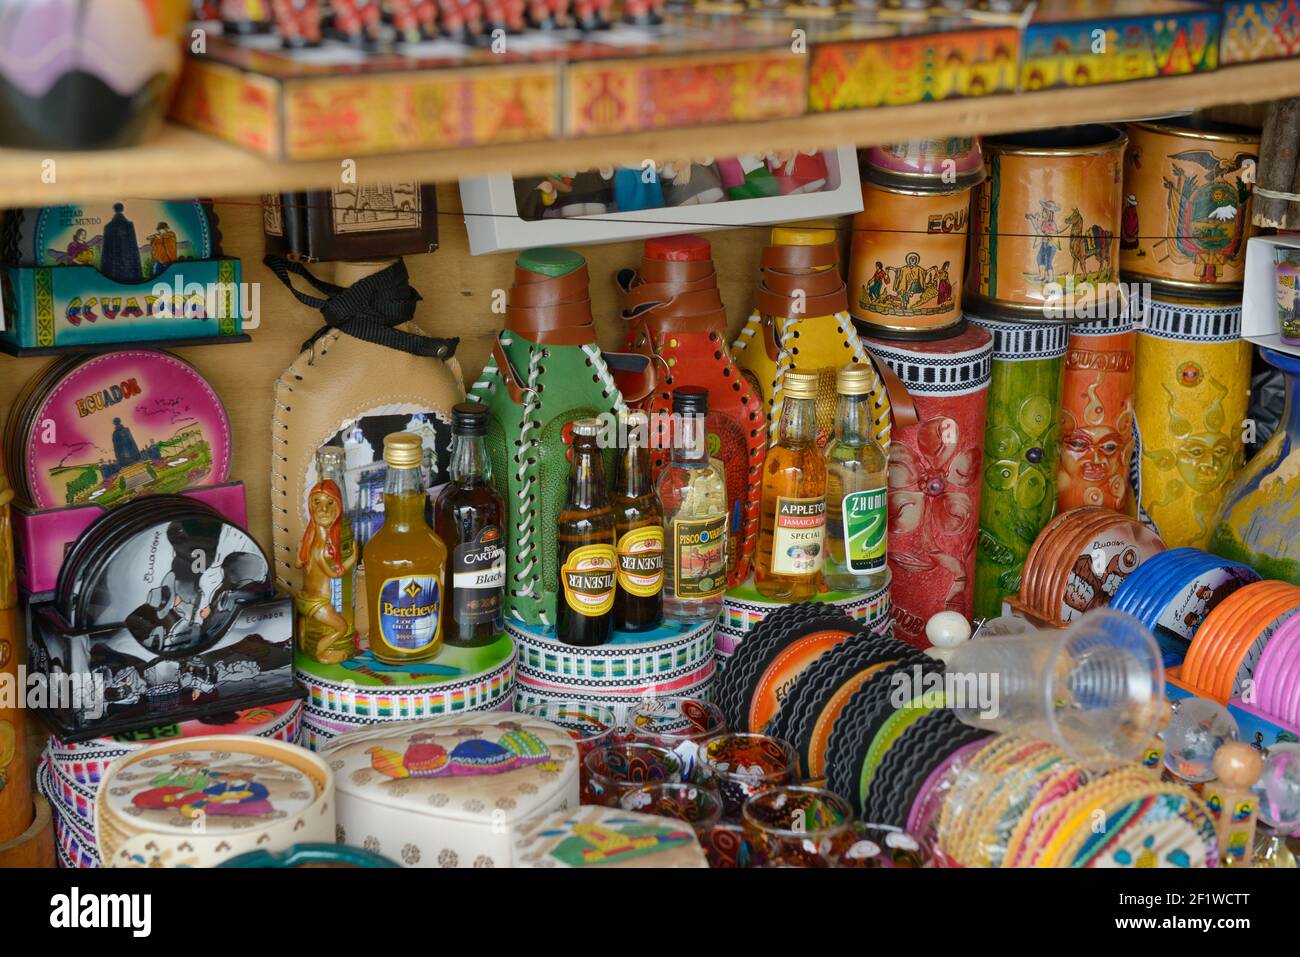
column 357, row 21
column 297, row 22
column 637, row 188
column 328, row 558
column 691, row 182
column 747, row 176
column 643, row 12
column 577, row 192
column 1238, row 766
column 414, row 20
column 593, row 14
column 801, row 171
column 507, row 15
column 549, row 14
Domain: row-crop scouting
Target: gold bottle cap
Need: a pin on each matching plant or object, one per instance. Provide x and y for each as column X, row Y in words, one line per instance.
column 403, row 450
column 853, row 380
column 800, row 385
column 586, row 427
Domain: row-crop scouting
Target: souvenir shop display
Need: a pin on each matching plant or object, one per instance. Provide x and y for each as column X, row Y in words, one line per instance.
column 249, row 794
column 797, row 826
column 368, row 373
column 802, row 297
column 1278, row 179
column 104, row 76
column 1270, row 305
column 591, row 726
column 1237, row 767
column 1190, row 412
column 740, row 765
column 533, row 404
column 611, row 773
column 1097, row 400
column 172, row 610
column 679, row 724
column 1187, row 187
column 935, row 472
column 327, row 603
column 639, row 533
column 605, row 837
column 298, row 22
column 1078, row 561
column 453, row 791
column 1022, row 446
column 586, row 540
column 857, row 492
column 700, row 807
column 1287, row 288
column 351, row 221
column 70, row 773
column 1045, row 220
column 675, row 315
column 954, row 161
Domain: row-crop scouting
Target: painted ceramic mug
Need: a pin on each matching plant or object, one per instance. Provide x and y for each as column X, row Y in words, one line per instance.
column 954, row 161
column 1045, row 221
column 1287, row 275
column 907, row 259
column 1097, row 417
column 1187, row 188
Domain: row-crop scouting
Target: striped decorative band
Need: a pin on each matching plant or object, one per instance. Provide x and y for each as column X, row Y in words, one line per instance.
column 620, row 664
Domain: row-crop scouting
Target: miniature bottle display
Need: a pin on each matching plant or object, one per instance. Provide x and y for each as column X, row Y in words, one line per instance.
column 584, row 614
column 405, row 563
column 792, row 527
column 693, row 491
column 639, row 523
column 857, row 490
column 326, row 603
column 470, row 515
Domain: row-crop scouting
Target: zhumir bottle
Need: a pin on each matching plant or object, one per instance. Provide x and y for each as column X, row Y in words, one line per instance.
column 857, row 490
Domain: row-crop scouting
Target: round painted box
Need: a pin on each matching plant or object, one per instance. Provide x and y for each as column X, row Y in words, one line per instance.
column 1097, row 432
column 449, row 792
column 743, row 608
column 934, row 476
column 668, row 661
column 922, row 164
column 594, row 836
column 907, row 259
column 1191, row 407
column 1022, row 442
column 1187, row 189
column 199, row 802
column 1045, row 220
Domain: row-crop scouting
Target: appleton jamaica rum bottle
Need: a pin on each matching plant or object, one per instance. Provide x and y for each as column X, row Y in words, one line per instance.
column 585, row 547
column 405, row 563
column 857, row 489
column 639, row 524
column 469, row 518
column 792, row 520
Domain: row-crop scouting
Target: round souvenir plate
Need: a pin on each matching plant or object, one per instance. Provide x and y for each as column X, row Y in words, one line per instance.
column 18, row 425
column 123, row 424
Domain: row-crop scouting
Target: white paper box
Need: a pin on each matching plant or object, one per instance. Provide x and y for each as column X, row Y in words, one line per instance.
column 1259, row 321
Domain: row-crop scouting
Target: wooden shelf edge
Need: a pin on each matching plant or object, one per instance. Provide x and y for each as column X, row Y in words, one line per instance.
column 184, row 162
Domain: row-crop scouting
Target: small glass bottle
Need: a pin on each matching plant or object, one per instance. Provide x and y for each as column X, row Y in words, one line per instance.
column 639, row 525
column 857, row 490
column 693, row 492
column 792, row 520
column 584, row 608
column 328, row 556
column 405, row 563
column 470, row 517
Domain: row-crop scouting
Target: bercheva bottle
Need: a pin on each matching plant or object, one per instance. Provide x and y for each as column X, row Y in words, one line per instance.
column 639, row 527
column 470, row 517
column 792, row 519
column 693, row 492
column 585, row 547
column 857, row 490
column 405, row 563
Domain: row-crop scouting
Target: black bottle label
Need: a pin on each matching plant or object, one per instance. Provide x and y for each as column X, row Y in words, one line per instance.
column 479, row 577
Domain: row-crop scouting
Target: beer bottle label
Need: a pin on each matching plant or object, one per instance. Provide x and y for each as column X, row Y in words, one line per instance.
column 865, row 520
column 699, row 557
column 799, row 539
column 408, row 612
column 478, row 578
column 588, row 578
column 641, row 561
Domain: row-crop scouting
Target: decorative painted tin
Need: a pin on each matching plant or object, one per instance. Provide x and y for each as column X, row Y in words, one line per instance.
column 199, row 802
column 954, row 161
column 449, row 792
column 908, row 258
column 617, row 675
column 593, row 836
column 1046, row 219
column 1097, row 431
column 1187, row 188
column 743, row 608
column 934, row 476
column 1022, row 442
column 1191, row 407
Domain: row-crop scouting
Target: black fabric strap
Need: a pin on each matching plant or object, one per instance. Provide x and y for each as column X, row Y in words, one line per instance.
column 370, row 309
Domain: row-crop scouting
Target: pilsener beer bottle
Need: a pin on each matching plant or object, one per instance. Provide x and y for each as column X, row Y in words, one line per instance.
column 639, row 523
column 585, row 547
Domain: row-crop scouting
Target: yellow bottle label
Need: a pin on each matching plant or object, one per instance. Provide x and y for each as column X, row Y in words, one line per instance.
column 588, row 578
column 699, row 557
column 641, row 561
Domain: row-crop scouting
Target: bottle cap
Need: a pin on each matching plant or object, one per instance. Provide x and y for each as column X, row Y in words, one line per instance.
column 587, row 428
column 547, row 261
column 469, row 418
column 403, row 450
column 854, row 379
column 802, row 235
column 690, row 400
column 678, row 248
column 800, row 385
column 330, row 456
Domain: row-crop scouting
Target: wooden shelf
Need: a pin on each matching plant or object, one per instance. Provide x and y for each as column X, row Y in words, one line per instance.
column 182, row 162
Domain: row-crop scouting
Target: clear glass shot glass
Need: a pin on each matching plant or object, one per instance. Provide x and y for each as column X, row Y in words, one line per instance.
column 678, row 724
column 615, row 769
column 797, row 826
column 741, row 764
column 697, row 805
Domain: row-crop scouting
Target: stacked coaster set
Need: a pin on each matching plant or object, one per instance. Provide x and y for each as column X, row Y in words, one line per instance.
column 669, row 661
column 1222, row 659
column 70, row 773
column 364, row 691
